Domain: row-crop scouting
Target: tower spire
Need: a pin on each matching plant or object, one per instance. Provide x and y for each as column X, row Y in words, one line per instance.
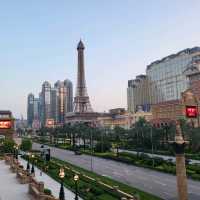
column 81, row 100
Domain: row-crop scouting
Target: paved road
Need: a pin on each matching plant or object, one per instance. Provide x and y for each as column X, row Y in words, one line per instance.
column 160, row 184
column 161, row 156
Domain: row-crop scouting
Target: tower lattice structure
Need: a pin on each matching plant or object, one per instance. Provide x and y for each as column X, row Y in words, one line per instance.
column 81, row 100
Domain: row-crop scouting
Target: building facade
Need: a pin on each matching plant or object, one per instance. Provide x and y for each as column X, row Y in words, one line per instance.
column 193, row 74
column 118, row 117
column 173, row 110
column 46, row 102
column 52, row 105
column 69, row 96
column 141, row 93
column 62, row 100
column 30, row 109
column 165, row 80
column 7, row 122
column 142, row 114
column 167, row 74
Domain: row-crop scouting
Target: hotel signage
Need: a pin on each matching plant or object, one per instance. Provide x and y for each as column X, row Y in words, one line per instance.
column 191, row 111
column 5, row 124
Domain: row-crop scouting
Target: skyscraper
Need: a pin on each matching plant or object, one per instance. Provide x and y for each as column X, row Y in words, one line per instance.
column 62, row 100
column 141, row 93
column 46, row 102
column 167, row 74
column 165, row 80
column 69, row 96
column 30, row 109
column 36, row 107
column 54, row 105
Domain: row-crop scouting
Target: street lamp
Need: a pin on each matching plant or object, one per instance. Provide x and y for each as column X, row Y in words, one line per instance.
column 33, row 169
column 62, row 175
column 28, row 164
column 76, row 179
column 16, row 153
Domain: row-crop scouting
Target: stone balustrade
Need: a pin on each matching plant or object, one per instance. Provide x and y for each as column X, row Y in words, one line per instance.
column 8, row 159
column 23, row 176
column 36, row 190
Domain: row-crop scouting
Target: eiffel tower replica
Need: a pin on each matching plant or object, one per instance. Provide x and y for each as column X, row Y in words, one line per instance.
column 82, row 111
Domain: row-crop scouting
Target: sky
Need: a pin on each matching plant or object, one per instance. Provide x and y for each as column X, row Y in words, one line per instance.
column 38, row 42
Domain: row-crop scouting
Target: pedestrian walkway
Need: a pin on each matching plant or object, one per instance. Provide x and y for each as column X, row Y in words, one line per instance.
column 49, row 183
column 10, row 189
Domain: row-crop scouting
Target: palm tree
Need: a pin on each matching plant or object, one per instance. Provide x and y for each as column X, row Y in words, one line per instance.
column 119, row 132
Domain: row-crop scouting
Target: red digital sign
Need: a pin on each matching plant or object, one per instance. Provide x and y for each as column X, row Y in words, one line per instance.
column 50, row 123
column 191, row 111
column 5, row 124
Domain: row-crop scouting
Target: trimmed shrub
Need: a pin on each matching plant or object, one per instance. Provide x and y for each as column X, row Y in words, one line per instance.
column 26, row 145
column 47, row 191
column 8, row 146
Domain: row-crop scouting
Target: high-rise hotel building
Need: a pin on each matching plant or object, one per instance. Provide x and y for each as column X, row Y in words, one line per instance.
column 32, row 109
column 166, row 80
column 53, row 103
column 62, row 100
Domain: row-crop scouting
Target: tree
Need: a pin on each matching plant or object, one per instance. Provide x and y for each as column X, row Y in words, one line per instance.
column 26, row 145
column 103, row 146
column 8, row 146
column 119, row 132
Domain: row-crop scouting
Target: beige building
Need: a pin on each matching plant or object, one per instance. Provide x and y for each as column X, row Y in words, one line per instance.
column 141, row 114
column 141, row 93
column 116, row 117
column 175, row 109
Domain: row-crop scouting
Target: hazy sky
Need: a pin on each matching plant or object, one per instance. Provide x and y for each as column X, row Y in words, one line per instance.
column 38, row 41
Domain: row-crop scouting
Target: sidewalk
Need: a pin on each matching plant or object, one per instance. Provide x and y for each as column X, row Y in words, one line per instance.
column 49, row 183
column 10, row 189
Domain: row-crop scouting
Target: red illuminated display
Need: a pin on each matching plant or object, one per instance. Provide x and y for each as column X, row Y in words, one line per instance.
column 50, row 122
column 5, row 124
column 191, row 111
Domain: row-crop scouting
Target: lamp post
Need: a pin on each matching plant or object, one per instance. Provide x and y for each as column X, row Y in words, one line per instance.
column 32, row 168
column 62, row 175
column 16, row 155
column 28, row 163
column 76, row 179
column 14, row 150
